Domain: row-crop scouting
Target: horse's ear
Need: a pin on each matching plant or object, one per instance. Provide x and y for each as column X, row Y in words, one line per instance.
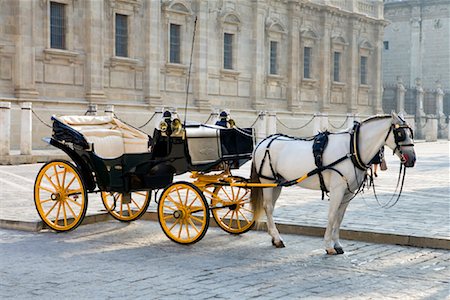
column 394, row 115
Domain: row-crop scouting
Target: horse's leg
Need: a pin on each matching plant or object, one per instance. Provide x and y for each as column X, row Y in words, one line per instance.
column 337, row 224
column 270, row 196
column 336, row 196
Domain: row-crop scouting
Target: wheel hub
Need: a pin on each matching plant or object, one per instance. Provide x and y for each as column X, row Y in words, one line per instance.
column 55, row 196
column 178, row 214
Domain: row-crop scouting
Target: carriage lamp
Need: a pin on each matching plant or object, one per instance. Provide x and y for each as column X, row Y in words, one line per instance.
column 176, row 126
column 232, row 123
column 163, row 126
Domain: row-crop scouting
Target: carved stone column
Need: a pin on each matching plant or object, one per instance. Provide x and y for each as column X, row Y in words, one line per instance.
column 439, row 96
column 24, row 85
column 5, row 128
column 325, row 74
column 353, row 68
column 420, row 113
column 293, row 59
column 378, row 85
column 25, row 128
column 259, row 63
column 400, row 96
column 152, row 75
column 200, row 83
column 95, row 51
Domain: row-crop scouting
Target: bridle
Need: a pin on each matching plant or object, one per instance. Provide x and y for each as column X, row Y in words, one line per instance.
column 400, row 135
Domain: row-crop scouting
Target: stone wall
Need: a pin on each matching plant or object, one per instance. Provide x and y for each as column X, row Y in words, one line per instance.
column 88, row 71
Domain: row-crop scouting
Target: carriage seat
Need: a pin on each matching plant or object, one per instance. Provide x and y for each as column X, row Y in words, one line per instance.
column 203, row 144
column 111, row 137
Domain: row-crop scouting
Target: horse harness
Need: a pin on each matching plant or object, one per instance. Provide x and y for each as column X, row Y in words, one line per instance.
column 320, row 142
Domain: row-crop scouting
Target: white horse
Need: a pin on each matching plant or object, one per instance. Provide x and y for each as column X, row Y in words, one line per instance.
column 283, row 159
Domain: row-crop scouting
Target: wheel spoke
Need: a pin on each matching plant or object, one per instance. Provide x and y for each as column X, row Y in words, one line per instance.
column 244, row 217
column 173, row 225
column 169, row 207
column 56, row 175
column 181, row 228
column 226, row 214
column 64, row 178
column 228, row 196
column 51, row 182
column 71, row 210
column 73, row 192
column 57, row 213
column 169, row 216
column 50, row 210
column 64, row 213
column 173, row 201
column 73, row 201
column 186, row 199
column 196, row 197
column 230, row 224
column 142, row 193
column 197, row 219
column 187, row 230
column 47, row 189
column 70, row 183
column 129, row 210
column 139, row 208
column 194, row 226
column 45, row 201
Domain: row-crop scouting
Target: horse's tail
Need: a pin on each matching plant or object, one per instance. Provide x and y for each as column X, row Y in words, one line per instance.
column 256, row 194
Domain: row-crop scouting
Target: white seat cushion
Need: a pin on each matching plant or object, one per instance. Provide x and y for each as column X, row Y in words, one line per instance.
column 107, row 143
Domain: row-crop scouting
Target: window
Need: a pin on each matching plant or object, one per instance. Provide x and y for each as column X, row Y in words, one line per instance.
column 57, row 26
column 228, row 51
column 273, row 57
column 363, row 70
column 386, row 45
column 307, row 62
column 121, row 35
column 336, row 66
column 175, row 43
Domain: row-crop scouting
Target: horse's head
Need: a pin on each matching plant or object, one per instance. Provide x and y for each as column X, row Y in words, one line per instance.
column 400, row 139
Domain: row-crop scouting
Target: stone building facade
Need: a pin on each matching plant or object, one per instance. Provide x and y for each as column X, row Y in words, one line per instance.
column 292, row 57
column 417, row 42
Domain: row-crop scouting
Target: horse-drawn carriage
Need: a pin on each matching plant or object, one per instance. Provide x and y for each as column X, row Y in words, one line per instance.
column 125, row 164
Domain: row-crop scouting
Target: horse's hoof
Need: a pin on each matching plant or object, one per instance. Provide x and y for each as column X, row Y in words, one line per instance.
column 339, row 250
column 331, row 251
column 280, row 244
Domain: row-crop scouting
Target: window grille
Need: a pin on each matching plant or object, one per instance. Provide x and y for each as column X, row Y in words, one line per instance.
column 273, row 57
column 307, row 62
column 363, row 70
column 121, row 35
column 336, row 66
column 175, row 43
column 228, row 51
column 57, row 26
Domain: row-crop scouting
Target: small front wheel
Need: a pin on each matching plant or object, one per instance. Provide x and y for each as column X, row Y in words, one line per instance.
column 232, row 209
column 60, row 196
column 126, row 207
column 183, row 213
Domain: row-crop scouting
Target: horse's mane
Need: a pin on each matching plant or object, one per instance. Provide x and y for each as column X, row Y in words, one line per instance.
column 376, row 117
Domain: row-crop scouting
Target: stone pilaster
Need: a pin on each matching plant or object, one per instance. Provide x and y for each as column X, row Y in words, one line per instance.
column 152, row 75
column 377, row 82
column 400, row 96
column 421, row 120
column 416, row 43
column 24, row 85
column 353, row 67
column 5, row 128
column 294, row 56
column 259, row 63
column 25, row 128
column 95, row 56
column 325, row 65
column 200, row 82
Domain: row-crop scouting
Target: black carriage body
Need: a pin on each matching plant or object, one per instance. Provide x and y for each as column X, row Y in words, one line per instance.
column 169, row 155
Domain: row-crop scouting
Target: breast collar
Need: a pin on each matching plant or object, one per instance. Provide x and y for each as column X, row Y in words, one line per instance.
column 354, row 148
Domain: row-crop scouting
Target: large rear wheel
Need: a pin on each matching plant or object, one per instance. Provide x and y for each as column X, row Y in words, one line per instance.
column 183, row 213
column 126, row 207
column 60, row 196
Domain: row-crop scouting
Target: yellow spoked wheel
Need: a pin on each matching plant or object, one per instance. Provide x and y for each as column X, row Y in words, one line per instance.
column 183, row 213
column 231, row 208
column 126, row 207
column 60, row 196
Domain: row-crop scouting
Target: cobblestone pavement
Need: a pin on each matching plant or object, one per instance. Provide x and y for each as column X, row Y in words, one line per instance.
column 115, row 260
column 423, row 210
